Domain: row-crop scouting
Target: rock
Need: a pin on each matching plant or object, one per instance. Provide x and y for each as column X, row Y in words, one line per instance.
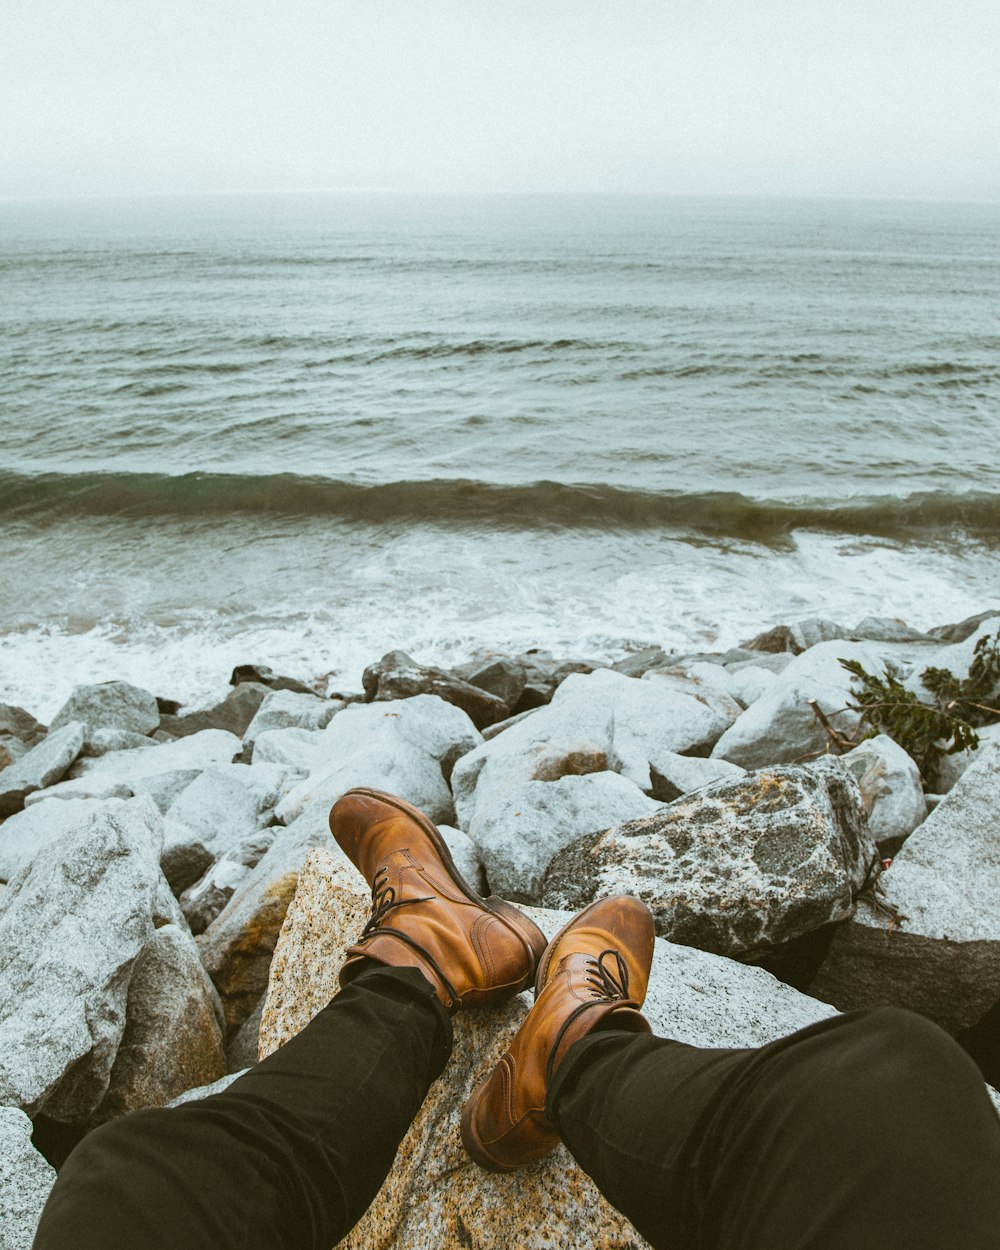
column 886, row 629
column 25, row 1181
column 401, row 747
column 167, row 707
column 798, row 637
column 504, row 678
column 46, row 825
column 11, row 750
column 42, row 765
column 71, row 928
column 228, row 802
column 207, row 1091
column 433, row 1195
column 956, row 657
column 237, row 946
column 15, row 722
column 165, row 788
column 205, row 899
column 595, row 722
column 774, row 661
column 173, row 1037
column 109, row 705
column 102, row 740
column 466, row 855
column 708, row 683
column 520, row 829
column 242, row 1051
column 951, row 767
column 233, row 714
column 165, row 769
column 398, row 676
column 961, row 631
column 288, row 709
column 673, row 775
column 780, row 726
column 751, row 682
column 296, row 748
column 264, row 676
column 890, row 786
column 81, row 788
column 640, row 662
column 491, row 731
column 737, row 868
column 930, row 938
column 185, row 858
column 773, row 640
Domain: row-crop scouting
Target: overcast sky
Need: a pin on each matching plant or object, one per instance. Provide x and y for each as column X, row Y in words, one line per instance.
column 812, row 97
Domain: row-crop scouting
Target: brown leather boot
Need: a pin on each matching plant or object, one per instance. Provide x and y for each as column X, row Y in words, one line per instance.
column 593, row 975
column 424, row 914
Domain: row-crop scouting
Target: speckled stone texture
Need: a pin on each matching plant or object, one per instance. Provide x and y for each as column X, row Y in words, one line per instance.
column 736, row 868
column 435, row 1196
column 25, row 1181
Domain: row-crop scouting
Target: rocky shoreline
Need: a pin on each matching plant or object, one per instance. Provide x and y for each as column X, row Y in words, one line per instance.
column 150, row 856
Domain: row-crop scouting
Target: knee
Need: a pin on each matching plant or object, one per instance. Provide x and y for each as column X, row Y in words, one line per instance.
column 895, row 1045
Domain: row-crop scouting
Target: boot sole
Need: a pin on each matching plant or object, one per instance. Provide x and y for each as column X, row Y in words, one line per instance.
column 533, row 938
column 474, row 1147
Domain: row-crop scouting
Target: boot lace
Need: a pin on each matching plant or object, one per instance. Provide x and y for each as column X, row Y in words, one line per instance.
column 608, row 983
column 384, row 901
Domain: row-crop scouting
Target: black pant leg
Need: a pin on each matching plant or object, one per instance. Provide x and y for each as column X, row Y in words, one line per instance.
column 868, row 1130
column 287, row 1158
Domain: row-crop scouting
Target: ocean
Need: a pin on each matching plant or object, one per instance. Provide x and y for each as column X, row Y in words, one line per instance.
column 305, row 429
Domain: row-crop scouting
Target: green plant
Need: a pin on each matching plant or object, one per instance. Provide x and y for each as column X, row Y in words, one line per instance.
column 929, row 730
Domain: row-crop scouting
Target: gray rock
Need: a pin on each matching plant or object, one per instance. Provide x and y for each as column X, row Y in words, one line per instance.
column 242, row 1051
column 71, row 928
column 780, row 726
column 491, row 731
column 102, row 740
column 15, row 722
column 595, row 722
column 774, row 661
column 673, row 775
column 11, row 750
column 466, row 855
column 929, row 938
column 173, row 1037
column 42, row 765
column 519, row 830
column 951, row 767
column 184, row 858
column 890, row 786
column 639, row 662
column 288, row 709
column 961, row 631
column 295, row 748
column 400, row 747
column 228, row 802
column 886, row 629
column 505, row 678
column 109, row 705
column 956, row 657
column 165, row 769
column 265, row 676
column 751, row 682
column 773, row 641
column 25, row 1181
column 205, row 899
column 45, row 824
column 208, row 1091
column 710, row 684
column 81, row 788
column 233, row 714
column 798, row 637
column 398, row 676
column 237, row 946
column 737, row 868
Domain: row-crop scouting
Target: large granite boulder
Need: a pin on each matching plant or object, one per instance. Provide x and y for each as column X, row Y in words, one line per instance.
column 398, row 676
column 295, row 747
column 434, row 1194
column 227, row 803
column 290, row 709
column 597, row 721
column 164, row 769
column 173, row 1038
column 71, row 928
column 929, row 937
column 520, row 829
column 23, row 835
column 891, row 788
column 40, row 767
column 781, row 726
column 25, row 1181
column 950, row 767
column 736, row 868
column 404, row 747
column 109, row 705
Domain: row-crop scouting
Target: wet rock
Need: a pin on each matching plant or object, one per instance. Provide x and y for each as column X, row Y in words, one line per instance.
column 25, row 1181
column 288, row 709
column 961, row 631
column 43, row 765
column 228, row 802
column 798, row 637
column 401, row 747
column 233, row 714
column 71, row 929
column 737, row 868
column 398, row 676
column 173, row 1038
column 694, row 997
column 519, row 830
column 505, row 678
column 673, row 775
column 890, row 786
column 109, row 705
column 640, row 662
column 781, row 726
column 260, row 674
column 15, row 722
column 929, row 939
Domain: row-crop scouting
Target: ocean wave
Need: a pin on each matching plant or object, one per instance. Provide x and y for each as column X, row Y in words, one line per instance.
column 53, row 497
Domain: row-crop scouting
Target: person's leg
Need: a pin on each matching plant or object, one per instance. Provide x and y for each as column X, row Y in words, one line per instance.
column 866, row 1130
column 289, row 1156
